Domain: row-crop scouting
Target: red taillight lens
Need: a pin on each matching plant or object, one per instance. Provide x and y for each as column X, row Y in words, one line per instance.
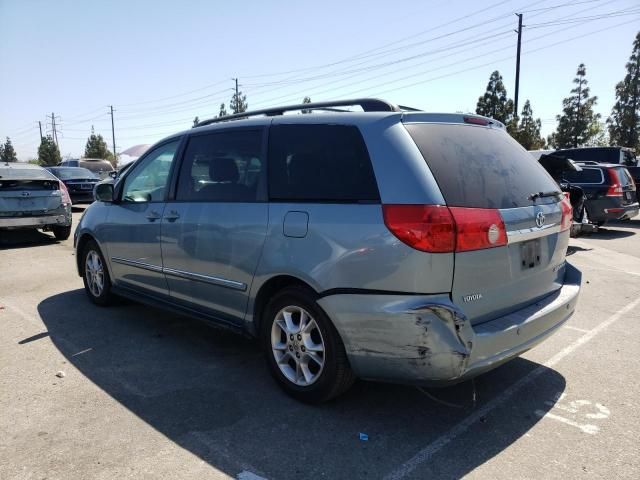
column 476, row 121
column 567, row 213
column 438, row 229
column 478, row 228
column 65, row 193
column 615, row 190
column 428, row 228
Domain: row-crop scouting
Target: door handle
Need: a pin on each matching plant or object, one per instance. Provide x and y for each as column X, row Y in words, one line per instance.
column 153, row 215
column 172, row 216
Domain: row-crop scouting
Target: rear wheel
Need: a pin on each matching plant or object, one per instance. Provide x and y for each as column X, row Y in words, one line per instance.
column 303, row 349
column 61, row 233
column 97, row 283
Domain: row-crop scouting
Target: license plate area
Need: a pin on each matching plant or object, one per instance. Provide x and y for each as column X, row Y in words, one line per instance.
column 530, row 254
column 86, row 186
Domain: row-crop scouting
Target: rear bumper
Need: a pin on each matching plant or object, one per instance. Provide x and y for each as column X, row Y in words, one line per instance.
column 606, row 209
column 62, row 219
column 81, row 197
column 426, row 340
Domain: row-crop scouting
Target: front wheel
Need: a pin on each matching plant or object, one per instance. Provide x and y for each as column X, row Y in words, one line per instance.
column 97, row 283
column 303, row 349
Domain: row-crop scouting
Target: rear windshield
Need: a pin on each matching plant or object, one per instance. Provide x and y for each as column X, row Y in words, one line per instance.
column 587, row 175
column 25, row 173
column 72, row 172
column 480, row 167
column 97, row 166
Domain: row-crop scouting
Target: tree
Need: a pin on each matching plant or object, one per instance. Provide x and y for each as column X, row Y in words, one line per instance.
column 238, row 103
column 624, row 122
column 495, row 103
column 223, row 111
column 1, row 152
column 96, row 147
column 306, row 100
column 8, row 154
column 196, row 121
column 527, row 131
column 578, row 124
column 48, row 153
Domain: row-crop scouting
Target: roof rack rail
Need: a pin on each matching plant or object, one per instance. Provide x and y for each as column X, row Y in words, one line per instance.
column 367, row 104
column 588, row 162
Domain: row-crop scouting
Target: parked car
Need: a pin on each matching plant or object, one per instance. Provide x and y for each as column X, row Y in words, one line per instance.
column 388, row 245
column 102, row 168
column 613, row 155
column 557, row 167
column 79, row 181
column 32, row 197
column 610, row 192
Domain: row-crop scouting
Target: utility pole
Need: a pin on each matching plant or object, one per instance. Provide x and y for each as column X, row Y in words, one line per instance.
column 515, row 102
column 113, row 135
column 236, row 90
column 40, row 125
column 53, row 126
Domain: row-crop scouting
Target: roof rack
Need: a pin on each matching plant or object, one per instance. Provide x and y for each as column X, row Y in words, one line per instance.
column 367, row 104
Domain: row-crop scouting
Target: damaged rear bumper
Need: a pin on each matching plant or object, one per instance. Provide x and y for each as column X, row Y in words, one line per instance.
column 426, row 339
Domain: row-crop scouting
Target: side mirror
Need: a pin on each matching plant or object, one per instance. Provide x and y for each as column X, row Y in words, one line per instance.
column 104, row 192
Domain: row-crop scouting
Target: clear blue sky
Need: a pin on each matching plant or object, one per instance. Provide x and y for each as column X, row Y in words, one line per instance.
column 161, row 63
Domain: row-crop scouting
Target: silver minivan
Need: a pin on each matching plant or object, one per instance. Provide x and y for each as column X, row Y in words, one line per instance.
column 382, row 244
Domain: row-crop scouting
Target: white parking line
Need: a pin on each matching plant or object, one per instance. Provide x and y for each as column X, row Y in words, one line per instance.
column 434, row 447
column 571, row 327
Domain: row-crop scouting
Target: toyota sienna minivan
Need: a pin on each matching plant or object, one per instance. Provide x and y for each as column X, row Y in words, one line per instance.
column 383, row 244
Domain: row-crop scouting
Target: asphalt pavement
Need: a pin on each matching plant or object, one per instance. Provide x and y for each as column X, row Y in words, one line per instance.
column 134, row 392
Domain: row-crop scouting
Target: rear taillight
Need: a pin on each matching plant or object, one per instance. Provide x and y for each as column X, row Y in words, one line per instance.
column 478, row 228
column 615, row 189
column 428, row 228
column 439, row 229
column 567, row 213
column 66, row 199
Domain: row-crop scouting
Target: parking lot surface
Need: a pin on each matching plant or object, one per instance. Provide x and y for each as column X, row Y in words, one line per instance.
column 134, row 392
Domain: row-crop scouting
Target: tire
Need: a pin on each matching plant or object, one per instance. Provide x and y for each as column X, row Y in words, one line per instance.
column 100, row 295
column 61, row 233
column 305, row 379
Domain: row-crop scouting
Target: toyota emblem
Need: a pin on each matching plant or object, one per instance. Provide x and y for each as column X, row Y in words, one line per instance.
column 540, row 219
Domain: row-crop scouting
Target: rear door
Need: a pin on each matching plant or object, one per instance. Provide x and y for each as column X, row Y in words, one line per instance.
column 479, row 167
column 28, row 192
column 214, row 229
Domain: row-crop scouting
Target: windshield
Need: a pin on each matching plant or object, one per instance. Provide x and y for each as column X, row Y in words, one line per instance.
column 72, row 172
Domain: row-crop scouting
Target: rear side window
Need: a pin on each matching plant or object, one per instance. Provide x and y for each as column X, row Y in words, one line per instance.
column 587, row 175
column 624, row 176
column 480, row 167
column 318, row 163
column 222, row 167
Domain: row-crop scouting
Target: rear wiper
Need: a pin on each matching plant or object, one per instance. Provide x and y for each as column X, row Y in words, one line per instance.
column 554, row 193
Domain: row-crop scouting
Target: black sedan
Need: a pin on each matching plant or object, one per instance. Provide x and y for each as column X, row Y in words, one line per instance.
column 79, row 181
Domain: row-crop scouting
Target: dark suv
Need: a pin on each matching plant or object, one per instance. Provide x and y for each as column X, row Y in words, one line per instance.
column 614, row 155
column 610, row 192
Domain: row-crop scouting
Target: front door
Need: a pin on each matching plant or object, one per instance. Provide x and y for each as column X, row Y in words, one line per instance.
column 132, row 233
column 213, row 232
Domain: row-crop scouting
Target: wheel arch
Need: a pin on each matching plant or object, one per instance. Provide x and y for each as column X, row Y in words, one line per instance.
column 266, row 291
